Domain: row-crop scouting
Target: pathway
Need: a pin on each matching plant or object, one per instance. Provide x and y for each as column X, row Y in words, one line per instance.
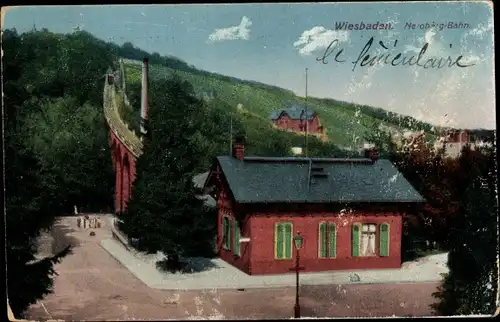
column 224, row 276
column 91, row 285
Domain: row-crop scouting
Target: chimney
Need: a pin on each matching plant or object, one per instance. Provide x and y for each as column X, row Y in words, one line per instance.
column 239, row 148
column 372, row 154
column 144, row 95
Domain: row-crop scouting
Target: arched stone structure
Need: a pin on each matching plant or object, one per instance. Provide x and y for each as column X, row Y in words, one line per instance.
column 125, row 145
column 126, row 182
column 118, row 178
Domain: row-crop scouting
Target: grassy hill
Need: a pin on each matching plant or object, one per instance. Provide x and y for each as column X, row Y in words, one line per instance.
column 346, row 124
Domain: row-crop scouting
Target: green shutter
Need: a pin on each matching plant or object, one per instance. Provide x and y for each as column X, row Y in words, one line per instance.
column 332, row 249
column 225, row 236
column 236, row 238
column 322, row 240
column 355, row 240
column 384, row 240
column 288, row 240
column 228, row 229
column 279, row 241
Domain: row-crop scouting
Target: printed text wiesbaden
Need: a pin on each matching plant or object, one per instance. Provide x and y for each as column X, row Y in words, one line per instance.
column 363, row 26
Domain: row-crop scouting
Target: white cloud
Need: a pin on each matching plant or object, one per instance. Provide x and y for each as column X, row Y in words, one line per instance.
column 318, row 38
column 242, row 31
column 480, row 31
column 432, row 37
column 467, row 43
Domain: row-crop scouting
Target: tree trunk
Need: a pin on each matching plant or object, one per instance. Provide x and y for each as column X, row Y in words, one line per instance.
column 173, row 262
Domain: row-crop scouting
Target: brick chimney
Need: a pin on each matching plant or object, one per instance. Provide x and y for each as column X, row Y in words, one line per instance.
column 372, row 154
column 239, row 148
column 144, row 94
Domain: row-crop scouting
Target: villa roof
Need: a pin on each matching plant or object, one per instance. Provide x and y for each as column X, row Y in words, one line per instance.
column 295, row 110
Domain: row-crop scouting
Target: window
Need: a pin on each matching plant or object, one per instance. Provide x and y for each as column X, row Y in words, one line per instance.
column 327, row 240
column 384, row 239
column 226, row 233
column 368, row 236
column 283, row 241
column 364, row 238
column 237, row 236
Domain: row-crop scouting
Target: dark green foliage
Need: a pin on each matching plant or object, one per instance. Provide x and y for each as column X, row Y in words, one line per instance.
column 71, row 142
column 460, row 214
column 342, row 121
column 471, row 286
column 36, row 279
column 55, row 65
column 164, row 212
column 134, row 96
column 55, row 143
column 261, row 138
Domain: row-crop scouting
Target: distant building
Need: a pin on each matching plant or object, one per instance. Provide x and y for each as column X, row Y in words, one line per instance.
column 348, row 212
column 454, row 142
column 295, row 117
column 110, row 77
column 207, row 94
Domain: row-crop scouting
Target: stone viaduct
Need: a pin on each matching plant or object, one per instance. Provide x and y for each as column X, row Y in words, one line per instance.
column 126, row 145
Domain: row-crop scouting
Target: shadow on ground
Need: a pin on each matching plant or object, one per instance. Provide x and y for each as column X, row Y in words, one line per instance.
column 62, row 238
column 189, row 265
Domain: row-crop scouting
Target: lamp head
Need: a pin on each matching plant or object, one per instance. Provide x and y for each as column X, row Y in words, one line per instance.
column 298, row 240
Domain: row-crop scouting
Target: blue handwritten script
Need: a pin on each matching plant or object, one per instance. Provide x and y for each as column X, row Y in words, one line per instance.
column 389, row 57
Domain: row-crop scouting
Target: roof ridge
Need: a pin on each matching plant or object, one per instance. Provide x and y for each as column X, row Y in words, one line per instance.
column 303, row 159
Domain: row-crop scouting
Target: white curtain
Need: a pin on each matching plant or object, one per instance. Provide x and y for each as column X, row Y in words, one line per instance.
column 368, row 239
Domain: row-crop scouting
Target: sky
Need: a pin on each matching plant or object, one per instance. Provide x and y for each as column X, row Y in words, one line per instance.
column 275, row 43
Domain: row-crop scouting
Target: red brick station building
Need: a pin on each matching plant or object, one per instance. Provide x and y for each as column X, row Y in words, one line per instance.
column 348, row 212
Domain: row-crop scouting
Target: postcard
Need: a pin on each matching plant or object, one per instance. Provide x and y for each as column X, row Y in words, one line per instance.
column 250, row 161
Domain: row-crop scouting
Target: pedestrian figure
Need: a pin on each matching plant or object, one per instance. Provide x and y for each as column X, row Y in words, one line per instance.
column 75, row 210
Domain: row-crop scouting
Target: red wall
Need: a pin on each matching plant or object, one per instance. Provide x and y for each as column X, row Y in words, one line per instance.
column 262, row 239
column 124, row 166
column 285, row 122
column 225, row 207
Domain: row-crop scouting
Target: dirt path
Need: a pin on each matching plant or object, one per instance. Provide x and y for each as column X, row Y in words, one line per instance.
column 92, row 285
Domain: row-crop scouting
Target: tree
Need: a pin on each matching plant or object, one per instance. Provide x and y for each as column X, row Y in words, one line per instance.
column 55, row 147
column 164, row 212
column 471, row 284
column 27, row 210
column 435, row 178
column 71, row 143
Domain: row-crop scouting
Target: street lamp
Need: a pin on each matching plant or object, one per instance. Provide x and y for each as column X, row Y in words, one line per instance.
column 297, row 240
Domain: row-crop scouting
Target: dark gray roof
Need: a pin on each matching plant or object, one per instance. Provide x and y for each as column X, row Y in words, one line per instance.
column 261, row 180
column 295, row 111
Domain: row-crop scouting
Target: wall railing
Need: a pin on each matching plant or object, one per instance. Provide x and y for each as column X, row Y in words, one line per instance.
column 121, row 130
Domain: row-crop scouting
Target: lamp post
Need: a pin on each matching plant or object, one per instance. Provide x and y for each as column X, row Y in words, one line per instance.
column 297, row 239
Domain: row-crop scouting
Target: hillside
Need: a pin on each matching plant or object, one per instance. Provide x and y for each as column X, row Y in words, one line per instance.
column 346, row 124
